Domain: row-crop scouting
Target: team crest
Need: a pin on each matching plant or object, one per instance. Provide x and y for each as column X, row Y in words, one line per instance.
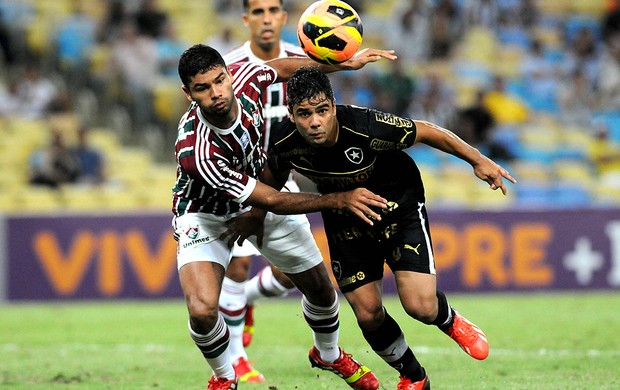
column 192, row 232
column 337, row 269
column 256, row 118
column 354, row 154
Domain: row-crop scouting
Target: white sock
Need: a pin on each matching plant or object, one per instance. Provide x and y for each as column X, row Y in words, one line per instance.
column 233, row 307
column 264, row 284
column 326, row 334
column 209, row 343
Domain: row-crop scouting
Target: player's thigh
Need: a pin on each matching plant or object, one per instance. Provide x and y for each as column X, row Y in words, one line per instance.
column 201, row 282
column 288, row 243
column 198, row 240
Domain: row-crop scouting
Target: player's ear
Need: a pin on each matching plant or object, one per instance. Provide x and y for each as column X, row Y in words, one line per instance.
column 186, row 91
column 245, row 19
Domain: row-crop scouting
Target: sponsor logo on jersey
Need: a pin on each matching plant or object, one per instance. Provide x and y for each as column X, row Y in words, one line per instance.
column 393, row 120
column 275, row 112
column 354, row 154
column 264, row 77
column 340, row 182
column 245, row 140
column 226, row 169
column 352, row 279
column 379, row 144
column 202, row 240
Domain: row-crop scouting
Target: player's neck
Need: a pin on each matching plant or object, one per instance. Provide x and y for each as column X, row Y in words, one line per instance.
column 333, row 138
column 265, row 54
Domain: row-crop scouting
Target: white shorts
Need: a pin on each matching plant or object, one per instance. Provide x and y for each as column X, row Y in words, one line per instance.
column 287, row 242
column 248, row 249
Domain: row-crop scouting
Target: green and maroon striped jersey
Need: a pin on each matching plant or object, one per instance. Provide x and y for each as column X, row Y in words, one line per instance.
column 274, row 101
column 217, row 168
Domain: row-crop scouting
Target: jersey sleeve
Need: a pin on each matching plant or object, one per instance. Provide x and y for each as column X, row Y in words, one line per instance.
column 217, row 174
column 250, row 73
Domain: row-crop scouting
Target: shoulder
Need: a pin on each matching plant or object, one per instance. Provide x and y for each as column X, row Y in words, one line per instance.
column 291, row 50
column 251, row 71
column 239, row 54
column 283, row 132
column 351, row 113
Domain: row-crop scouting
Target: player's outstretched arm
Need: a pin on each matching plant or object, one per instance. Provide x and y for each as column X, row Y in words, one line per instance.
column 287, row 66
column 359, row 201
column 445, row 140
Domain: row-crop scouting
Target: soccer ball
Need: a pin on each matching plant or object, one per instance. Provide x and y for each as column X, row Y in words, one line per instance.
column 330, row 31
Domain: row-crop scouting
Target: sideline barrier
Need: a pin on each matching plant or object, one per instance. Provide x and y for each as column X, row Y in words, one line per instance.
column 81, row 257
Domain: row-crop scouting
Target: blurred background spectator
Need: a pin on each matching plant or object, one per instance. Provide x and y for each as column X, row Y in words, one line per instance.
column 54, row 164
column 530, row 82
column 91, row 164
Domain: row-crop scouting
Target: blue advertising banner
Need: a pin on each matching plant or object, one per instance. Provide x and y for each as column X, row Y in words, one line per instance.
column 133, row 256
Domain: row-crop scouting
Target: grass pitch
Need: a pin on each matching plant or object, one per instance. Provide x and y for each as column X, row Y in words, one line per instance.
column 538, row 341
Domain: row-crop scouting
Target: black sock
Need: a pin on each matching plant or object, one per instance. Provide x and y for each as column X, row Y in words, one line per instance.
column 389, row 343
column 445, row 313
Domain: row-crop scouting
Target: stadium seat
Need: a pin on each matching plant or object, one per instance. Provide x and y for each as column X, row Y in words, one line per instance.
column 592, row 8
column 569, row 195
column 39, row 199
column 81, row 198
column 530, row 195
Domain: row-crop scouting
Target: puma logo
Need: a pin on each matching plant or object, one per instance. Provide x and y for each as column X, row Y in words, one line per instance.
column 406, row 134
column 416, row 249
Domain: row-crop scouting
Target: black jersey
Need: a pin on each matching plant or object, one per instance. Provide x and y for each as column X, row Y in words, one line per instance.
column 368, row 153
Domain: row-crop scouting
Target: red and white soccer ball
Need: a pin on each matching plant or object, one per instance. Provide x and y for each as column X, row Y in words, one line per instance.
column 330, row 31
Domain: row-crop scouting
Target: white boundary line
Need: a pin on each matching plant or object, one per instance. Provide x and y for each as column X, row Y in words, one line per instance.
column 426, row 350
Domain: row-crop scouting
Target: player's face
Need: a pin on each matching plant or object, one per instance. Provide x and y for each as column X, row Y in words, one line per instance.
column 265, row 19
column 316, row 121
column 213, row 92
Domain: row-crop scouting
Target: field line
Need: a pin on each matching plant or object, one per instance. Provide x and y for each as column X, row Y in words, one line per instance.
column 426, row 350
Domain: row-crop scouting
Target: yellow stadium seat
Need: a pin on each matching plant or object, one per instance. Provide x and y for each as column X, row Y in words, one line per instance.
column 588, row 7
column 82, row 198
column 39, row 199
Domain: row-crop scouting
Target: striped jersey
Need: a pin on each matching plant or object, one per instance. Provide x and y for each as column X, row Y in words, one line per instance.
column 274, row 100
column 217, row 168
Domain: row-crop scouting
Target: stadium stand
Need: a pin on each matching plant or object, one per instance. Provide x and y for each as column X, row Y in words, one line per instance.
column 553, row 160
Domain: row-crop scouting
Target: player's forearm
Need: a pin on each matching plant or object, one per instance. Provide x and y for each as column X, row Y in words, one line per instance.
column 448, row 142
column 297, row 202
column 287, row 66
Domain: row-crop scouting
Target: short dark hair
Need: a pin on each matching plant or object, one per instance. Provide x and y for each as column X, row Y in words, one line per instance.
column 246, row 4
column 198, row 59
column 307, row 83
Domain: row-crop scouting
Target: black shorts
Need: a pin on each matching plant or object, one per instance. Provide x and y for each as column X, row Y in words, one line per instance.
column 359, row 251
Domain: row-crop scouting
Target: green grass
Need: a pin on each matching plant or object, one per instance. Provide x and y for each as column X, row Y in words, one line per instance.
column 538, row 341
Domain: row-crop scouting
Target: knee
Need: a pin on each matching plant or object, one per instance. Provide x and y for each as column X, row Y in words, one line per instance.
column 370, row 318
column 423, row 309
column 203, row 315
column 324, row 297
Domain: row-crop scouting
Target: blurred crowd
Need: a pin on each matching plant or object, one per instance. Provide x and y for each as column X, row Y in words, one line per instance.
column 498, row 72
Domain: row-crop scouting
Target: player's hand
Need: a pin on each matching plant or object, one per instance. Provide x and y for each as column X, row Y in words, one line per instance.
column 493, row 173
column 361, row 202
column 365, row 56
column 245, row 225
